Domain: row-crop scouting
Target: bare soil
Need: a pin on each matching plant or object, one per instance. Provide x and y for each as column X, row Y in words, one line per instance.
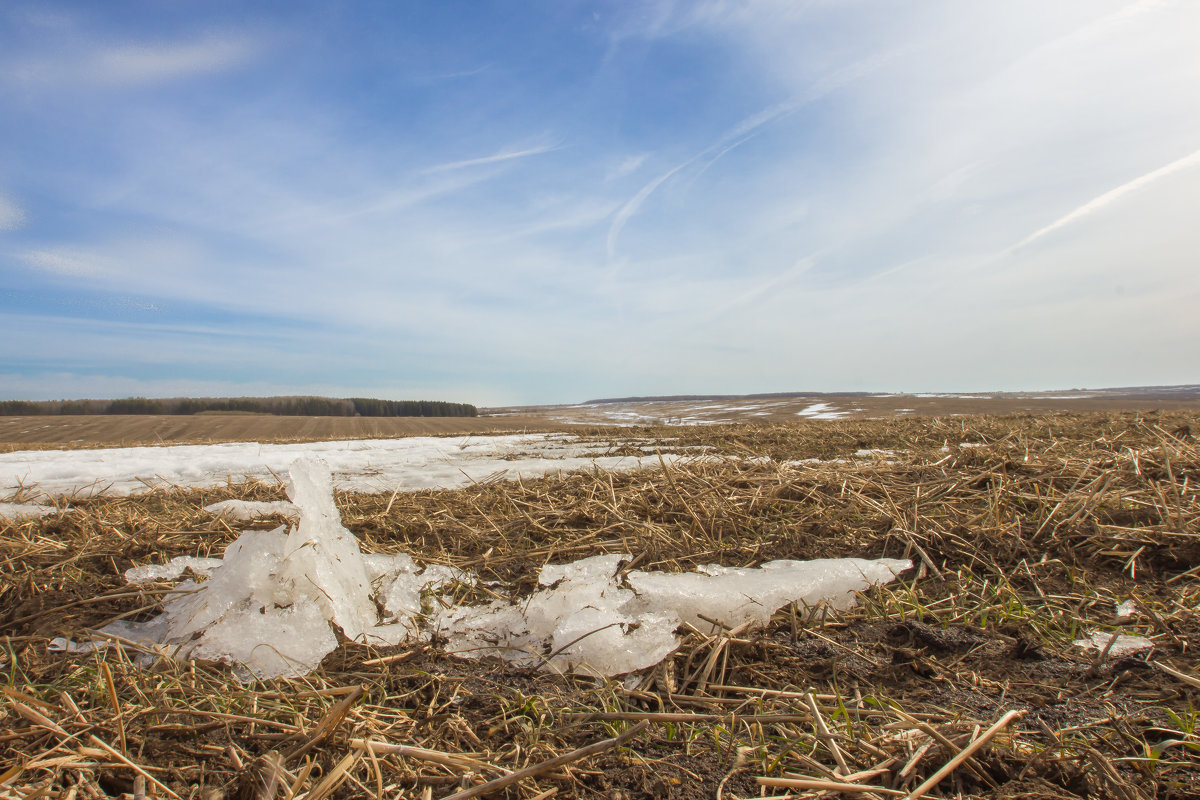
column 124, row 430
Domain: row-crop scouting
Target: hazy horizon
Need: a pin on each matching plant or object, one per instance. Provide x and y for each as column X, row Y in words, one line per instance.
column 698, row 396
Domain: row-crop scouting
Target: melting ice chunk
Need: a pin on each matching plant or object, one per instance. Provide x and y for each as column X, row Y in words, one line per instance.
column 1126, row 611
column 268, row 606
column 736, row 596
column 322, row 561
column 172, row 570
column 1122, row 645
column 587, row 621
column 584, row 621
column 252, row 509
column 271, row 605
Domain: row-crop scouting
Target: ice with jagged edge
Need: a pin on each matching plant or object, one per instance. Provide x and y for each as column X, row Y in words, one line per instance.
column 172, row 570
column 242, row 510
column 1117, row 644
column 272, row 605
column 588, row 620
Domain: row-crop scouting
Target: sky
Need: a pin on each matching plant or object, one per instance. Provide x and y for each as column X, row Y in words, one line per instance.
column 550, row 201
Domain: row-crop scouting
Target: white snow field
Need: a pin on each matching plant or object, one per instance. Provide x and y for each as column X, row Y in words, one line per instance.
column 366, row 465
column 270, row 607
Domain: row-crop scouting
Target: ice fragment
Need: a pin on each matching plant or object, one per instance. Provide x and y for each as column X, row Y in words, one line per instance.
column 587, row 621
column 1126, row 611
column 1122, row 646
column 172, row 570
column 270, row 606
column 243, row 510
column 736, row 596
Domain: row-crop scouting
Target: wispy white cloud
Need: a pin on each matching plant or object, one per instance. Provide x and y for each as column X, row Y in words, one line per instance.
column 505, row 155
column 131, row 64
column 456, row 74
column 12, row 216
column 66, row 263
column 732, row 139
column 758, row 291
column 625, row 166
column 750, row 127
column 56, row 385
column 1112, row 196
column 152, row 63
column 626, row 212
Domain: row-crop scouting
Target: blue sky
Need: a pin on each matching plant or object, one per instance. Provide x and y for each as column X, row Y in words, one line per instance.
column 541, row 202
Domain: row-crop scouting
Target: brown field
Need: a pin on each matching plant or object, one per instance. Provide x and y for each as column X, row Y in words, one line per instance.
column 961, row 680
column 876, row 406
column 122, row 430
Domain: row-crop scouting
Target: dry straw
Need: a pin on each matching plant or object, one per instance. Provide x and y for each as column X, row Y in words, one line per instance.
column 961, row 680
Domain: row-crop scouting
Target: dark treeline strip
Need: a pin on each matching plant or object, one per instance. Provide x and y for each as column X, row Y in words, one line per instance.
column 279, row 406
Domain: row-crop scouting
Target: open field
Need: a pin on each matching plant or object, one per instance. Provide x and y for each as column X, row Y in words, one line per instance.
column 962, row 679
column 124, row 430
column 771, row 408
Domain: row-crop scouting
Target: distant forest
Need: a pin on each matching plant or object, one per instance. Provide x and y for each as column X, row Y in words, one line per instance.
column 279, row 406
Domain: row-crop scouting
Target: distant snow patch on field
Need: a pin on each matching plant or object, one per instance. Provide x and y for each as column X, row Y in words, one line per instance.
column 822, row 411
column 368, row 465
column 929, row 395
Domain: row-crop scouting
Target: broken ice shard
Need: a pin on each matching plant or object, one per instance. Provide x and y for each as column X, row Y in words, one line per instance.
column 587, row 621
column 273, row 604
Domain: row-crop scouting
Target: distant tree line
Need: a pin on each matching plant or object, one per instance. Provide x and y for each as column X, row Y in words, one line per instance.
column 279, row 406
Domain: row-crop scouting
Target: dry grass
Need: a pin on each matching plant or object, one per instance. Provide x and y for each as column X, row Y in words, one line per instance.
column 960, row 680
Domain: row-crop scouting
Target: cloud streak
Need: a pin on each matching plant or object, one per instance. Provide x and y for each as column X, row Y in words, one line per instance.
column 133, row 63
column 155, row 63
column 631, row 206
column 1112, row 196
column 732, row 139
column 506, row 155
column 64, row 263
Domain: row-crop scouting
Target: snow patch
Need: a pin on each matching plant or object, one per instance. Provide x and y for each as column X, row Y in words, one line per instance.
column 821, row 411
column 368, row 465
